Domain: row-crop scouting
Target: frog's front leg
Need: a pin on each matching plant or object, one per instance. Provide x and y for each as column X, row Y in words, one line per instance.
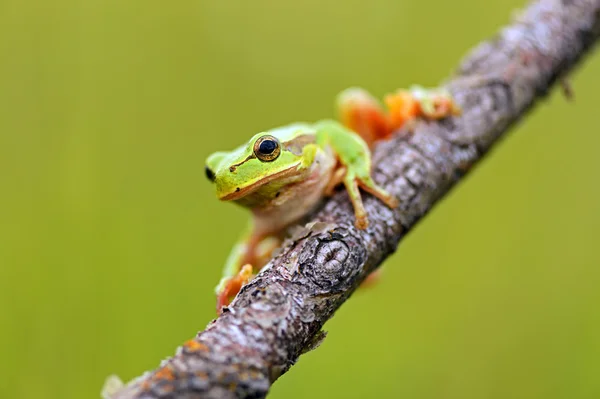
column 246, row 258
column 354, row 167
column 360, row 177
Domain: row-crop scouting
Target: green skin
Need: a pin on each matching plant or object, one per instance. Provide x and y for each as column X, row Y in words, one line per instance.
column 312, row 159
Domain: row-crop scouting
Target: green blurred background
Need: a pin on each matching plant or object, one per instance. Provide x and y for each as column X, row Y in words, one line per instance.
column 111, row 240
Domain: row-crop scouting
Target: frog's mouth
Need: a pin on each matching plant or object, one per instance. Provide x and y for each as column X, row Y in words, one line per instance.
column 240, row 192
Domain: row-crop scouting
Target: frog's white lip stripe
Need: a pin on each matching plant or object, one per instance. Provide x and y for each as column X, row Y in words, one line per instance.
column 242, row 191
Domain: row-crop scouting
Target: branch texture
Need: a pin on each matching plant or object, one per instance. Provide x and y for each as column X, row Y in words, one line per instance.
column 279, row 315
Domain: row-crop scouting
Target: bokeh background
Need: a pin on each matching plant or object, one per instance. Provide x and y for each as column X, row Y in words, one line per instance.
column 111, row 239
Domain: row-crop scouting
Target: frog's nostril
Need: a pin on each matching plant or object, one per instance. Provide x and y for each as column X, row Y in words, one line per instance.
column 209, row 173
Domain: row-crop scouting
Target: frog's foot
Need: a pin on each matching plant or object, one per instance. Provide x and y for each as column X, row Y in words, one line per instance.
column 363, row 114
column 352, row 183
column 407, row 105
column 229, row 287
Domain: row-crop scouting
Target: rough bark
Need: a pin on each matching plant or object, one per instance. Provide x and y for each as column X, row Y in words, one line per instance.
column 279, row 315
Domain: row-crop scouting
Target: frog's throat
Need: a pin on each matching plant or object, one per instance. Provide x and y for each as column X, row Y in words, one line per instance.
column 240, row 192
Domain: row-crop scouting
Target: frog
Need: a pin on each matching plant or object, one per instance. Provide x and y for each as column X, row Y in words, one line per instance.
column 283, row 173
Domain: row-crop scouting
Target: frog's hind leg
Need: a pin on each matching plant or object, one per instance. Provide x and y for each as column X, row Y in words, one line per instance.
column 362, row 113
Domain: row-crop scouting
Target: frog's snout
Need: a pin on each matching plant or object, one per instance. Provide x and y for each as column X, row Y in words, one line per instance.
column 210, row 175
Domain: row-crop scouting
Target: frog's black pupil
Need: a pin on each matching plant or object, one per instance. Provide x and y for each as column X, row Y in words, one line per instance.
column 267, row 147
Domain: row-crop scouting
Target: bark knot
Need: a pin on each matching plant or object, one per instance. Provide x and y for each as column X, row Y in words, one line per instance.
column 331, row 261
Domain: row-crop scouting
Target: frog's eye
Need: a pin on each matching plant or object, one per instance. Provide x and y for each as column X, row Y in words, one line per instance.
column 267, row 148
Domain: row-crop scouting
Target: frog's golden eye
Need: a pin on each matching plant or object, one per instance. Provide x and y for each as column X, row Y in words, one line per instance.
column 267, row 148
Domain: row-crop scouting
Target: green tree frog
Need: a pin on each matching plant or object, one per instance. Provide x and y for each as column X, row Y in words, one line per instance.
column 283, row 173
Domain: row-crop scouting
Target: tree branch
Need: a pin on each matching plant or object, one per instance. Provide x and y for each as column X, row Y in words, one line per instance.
column 279, row 315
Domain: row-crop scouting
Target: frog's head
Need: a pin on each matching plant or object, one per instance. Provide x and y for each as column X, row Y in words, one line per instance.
column 267, row 162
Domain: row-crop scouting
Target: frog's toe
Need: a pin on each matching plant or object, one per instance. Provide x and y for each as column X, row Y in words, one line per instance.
column 361, row 222
column 388, row 199
column 391, row 201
